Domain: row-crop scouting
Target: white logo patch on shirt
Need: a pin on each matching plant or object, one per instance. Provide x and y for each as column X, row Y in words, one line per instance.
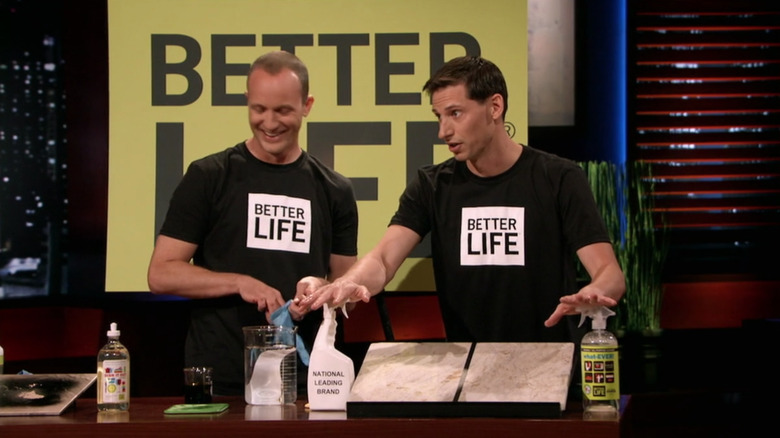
column 278, row 223
column 492, row 236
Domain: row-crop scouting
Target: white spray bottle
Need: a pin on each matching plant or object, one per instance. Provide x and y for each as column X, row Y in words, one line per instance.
column 599, row 362
column 331, row 372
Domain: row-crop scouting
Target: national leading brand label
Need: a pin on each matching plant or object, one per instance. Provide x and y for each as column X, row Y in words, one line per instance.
column 327, row 382
column 115, row 381
column 600, row 376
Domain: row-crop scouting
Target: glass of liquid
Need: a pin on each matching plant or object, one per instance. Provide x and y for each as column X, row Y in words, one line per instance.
column 197, row 385
column 270, row 365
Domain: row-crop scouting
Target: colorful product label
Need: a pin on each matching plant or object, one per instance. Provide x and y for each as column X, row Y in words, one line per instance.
column 115, row 383
column 600, row 377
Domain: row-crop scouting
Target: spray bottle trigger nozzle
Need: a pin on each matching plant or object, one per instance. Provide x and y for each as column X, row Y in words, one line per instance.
column 583, row 316
column 598, row 314
column 326, row 310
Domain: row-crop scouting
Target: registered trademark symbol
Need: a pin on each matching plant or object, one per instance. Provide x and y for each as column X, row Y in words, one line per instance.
column 510, row 129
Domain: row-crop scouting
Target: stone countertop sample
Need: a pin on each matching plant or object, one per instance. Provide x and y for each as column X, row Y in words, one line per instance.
column 437, row 372
column 519, row 372
column 410, row 371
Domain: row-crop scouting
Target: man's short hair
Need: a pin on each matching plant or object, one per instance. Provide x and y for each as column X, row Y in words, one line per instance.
column 481, row 77
column 274, row 62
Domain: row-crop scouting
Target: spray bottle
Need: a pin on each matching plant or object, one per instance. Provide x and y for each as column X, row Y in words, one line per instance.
column 113, row 374
column 599, row 362
column 331, row 372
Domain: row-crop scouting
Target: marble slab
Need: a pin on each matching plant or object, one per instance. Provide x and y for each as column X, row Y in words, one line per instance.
column 410, row 371
column 519, row 372
column 442, row 377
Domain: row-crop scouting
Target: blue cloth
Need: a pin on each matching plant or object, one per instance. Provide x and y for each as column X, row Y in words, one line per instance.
column 282, row 317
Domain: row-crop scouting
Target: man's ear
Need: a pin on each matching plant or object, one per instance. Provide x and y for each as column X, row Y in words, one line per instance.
column 307, row 105
column 497, row 106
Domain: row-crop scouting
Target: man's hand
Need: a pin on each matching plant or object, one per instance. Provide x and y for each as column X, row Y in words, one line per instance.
column 587, row 296
column 304, row 289
column 336, row 294
column 265, row 297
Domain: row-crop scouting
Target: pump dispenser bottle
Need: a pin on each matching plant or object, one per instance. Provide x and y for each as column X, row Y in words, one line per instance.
column 113, row 374
column 599, row 362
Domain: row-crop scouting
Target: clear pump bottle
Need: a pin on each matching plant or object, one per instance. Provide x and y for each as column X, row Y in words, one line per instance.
column 599, row 362
column 113, row 374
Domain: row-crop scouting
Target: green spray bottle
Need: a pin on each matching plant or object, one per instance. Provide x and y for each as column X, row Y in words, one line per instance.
column 599, row 362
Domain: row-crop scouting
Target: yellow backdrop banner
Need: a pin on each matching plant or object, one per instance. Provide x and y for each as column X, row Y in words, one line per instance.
column 177, row 74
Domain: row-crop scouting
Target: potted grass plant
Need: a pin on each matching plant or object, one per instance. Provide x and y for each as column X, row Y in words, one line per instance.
column 640, row 242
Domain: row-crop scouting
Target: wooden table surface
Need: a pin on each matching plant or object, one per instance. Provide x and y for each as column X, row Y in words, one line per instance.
column 146, row 418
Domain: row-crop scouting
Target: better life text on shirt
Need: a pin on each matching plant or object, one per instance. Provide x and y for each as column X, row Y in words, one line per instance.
column 492, row 236
column 278, row 222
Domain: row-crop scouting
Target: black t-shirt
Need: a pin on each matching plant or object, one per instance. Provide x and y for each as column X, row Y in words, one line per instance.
column 503, row 247
column 277, row 223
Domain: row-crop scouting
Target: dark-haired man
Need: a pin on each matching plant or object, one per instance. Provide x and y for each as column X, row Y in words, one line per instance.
column 505, row 220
